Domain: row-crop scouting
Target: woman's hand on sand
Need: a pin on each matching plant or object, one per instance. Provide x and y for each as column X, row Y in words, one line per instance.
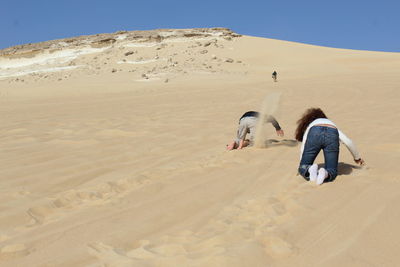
column 280, row 133
column 231, row 146
column 359, row 161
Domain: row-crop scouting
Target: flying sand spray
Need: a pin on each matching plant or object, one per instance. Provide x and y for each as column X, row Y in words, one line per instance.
column 269, row 107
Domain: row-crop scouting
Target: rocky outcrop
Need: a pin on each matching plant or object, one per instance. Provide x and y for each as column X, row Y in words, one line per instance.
column 106, row 39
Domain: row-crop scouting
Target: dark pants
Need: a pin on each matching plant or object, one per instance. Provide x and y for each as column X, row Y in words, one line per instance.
column 327, row 139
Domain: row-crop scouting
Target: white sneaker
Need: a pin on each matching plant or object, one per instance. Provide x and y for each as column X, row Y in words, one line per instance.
column 313, row 172
column 322, row 175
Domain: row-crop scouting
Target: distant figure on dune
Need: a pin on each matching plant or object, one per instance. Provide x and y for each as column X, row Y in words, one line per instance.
column 316, row 132
column 275, row 76
column 247, row 125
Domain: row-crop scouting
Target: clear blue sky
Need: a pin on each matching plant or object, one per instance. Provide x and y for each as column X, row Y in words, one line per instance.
column 354, row 24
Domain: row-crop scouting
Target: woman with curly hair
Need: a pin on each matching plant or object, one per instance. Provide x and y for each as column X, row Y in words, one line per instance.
column 316, row 132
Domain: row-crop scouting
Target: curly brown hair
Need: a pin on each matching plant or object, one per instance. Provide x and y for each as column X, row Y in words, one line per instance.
column 309, row 116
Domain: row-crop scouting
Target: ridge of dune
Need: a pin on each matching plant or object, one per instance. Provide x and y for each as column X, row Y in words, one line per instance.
column 112, row 153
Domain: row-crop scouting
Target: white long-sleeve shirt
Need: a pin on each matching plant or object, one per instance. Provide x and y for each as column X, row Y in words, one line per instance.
column 342, row 137
column 248, row 122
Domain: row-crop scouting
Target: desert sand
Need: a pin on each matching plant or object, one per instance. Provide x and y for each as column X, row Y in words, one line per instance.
column 112, row 153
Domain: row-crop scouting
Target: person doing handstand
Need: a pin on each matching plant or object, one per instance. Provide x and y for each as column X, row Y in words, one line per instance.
column 247, row 125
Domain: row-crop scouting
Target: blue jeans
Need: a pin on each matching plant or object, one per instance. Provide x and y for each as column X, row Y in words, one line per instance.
column 327, row 139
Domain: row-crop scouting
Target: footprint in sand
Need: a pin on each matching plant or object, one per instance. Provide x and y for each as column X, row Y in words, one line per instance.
column 141, row 251
column 73, row 200
column 253, row 219
column 39, row 214
column 276, row 246
column 14, row 251
column 169, row 250
column 109, row 256
column 141, row 255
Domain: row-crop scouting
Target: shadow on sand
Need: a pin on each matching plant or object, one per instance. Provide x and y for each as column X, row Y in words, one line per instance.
column 343, row 169
column 283, row 142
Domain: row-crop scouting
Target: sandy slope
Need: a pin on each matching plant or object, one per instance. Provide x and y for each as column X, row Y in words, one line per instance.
column 106, row 168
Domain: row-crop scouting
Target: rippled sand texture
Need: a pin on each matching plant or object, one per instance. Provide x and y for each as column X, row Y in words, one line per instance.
column 120, row 160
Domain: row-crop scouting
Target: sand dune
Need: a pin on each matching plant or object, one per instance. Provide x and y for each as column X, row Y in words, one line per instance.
column 120, row 160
